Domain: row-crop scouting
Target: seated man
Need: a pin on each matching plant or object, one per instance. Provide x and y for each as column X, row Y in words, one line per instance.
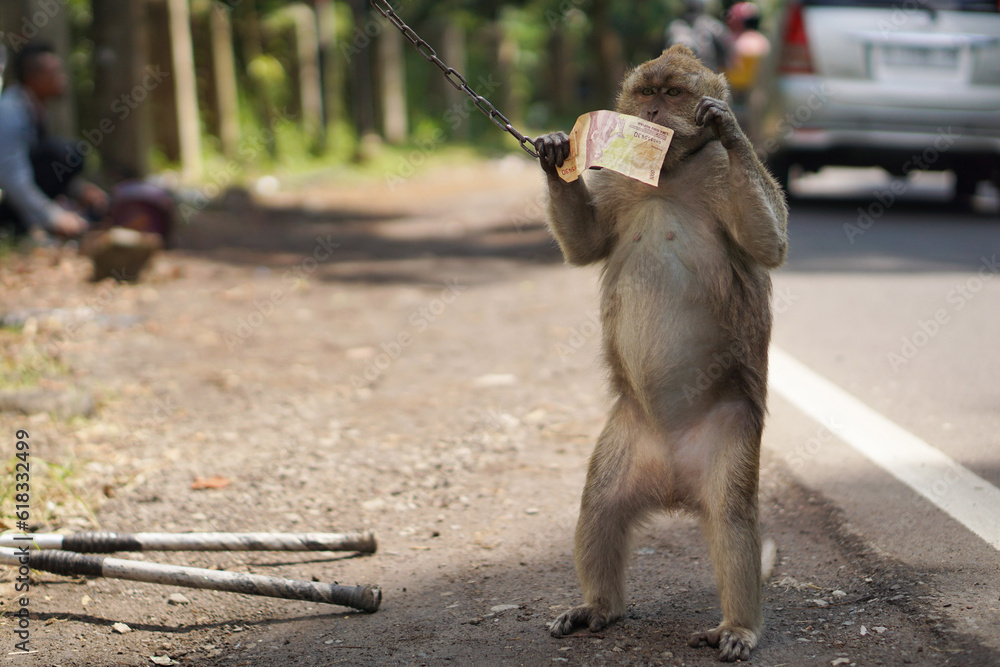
column 35, row 168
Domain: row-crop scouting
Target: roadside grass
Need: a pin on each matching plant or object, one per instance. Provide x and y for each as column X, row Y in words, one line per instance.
column 58, row 491
column 24, row 363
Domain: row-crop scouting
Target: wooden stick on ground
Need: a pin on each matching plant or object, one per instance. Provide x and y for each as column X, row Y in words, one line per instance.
column 107, row 542
column 364, row 598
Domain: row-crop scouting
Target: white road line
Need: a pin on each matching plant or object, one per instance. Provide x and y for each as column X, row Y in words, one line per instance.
column 962, row 494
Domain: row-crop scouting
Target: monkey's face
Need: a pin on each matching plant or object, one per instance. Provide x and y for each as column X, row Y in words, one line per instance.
column 667, row 89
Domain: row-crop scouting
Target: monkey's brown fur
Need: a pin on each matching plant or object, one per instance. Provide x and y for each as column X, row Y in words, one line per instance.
column 685, row 293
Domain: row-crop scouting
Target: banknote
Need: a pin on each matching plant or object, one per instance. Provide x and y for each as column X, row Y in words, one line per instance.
column 626, row 144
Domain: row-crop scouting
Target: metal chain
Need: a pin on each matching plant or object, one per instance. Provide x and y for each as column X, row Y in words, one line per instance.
column 454, row 77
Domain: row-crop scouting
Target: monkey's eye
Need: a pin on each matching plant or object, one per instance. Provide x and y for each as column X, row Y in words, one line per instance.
column 648, row 91
column 674, row 92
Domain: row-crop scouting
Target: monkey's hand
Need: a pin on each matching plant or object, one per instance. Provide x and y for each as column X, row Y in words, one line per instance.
column 552, row 149
column 717, row 115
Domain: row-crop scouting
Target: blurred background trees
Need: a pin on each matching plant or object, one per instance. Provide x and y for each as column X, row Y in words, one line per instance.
column 204, row 85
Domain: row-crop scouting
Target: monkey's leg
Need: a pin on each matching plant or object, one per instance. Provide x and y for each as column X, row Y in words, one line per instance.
column 731, row 526
column 624, row 480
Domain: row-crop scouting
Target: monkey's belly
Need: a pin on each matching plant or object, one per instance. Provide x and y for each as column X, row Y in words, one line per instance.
column 661, row 334
column 667, row 348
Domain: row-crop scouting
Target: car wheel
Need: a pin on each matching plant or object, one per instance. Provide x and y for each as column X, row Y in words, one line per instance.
column 996, row 185
column 965, row 189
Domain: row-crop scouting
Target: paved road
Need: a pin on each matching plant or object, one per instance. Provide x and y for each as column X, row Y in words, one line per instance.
column 899, row 305
column 893, row 299
column 899, row 309
column 465, row 444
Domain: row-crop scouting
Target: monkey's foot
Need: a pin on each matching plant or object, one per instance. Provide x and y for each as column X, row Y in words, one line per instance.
column 733, row 643
column 585, row 616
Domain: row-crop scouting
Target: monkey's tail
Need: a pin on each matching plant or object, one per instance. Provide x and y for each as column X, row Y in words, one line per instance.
column 768, row 557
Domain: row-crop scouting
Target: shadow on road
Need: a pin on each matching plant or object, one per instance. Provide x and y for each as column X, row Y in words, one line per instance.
column 359, row 246
column 860, row 235
column 828, row 233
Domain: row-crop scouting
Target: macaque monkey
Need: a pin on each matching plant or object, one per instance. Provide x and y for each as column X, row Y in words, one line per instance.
column 685, row 292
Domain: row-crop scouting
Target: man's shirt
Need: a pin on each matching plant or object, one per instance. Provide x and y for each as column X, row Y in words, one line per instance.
column 20, row 126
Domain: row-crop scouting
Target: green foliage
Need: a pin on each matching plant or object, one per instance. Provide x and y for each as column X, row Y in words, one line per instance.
column 270, row 78
column 516, row 78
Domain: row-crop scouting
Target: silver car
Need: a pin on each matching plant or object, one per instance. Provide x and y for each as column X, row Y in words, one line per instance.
column 899, row 84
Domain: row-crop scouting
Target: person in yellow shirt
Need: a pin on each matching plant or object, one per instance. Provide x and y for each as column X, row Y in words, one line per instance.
column 750, row 47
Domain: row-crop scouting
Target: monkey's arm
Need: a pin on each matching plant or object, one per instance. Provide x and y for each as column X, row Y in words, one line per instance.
column 758, row 214
column 583, row 236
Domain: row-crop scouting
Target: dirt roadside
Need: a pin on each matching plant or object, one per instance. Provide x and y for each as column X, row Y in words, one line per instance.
column 419, row 363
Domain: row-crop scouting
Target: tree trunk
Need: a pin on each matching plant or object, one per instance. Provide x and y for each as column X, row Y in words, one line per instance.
column 510, row 97
column 562, row 74
column 12, row 14
column 610, row 62
column 188, row 119
column 227, row 94
column 310, row 85
column 392, row 80
column 333, row 77
column 55, row 31
column 253, row 47
column 358, row 54
column 454, row 53
column 123, row 84
column 504, row 49
column 163, row 108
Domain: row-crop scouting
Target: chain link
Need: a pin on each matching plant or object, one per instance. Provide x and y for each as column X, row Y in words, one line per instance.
column 453, row 77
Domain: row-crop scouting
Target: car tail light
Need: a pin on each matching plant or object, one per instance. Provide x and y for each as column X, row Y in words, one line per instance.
column 795, row 44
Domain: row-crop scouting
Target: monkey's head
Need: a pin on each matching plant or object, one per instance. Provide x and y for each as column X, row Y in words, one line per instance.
column 667, row 89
